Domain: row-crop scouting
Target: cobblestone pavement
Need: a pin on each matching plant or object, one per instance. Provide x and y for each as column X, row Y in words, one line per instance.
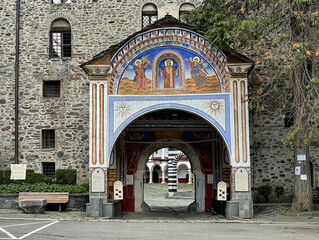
column 154, row 196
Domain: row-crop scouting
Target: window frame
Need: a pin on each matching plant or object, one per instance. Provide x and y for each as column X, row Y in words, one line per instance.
column 61, row 2
column 62, row 31
column 44, row 138
column 149, row 14
column 184, row 12
column 48, row 165
column 44, row 86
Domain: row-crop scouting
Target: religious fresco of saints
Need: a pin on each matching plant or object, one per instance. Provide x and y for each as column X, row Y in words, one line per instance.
column 140, row 78
column 198, row 71
column 168, row 71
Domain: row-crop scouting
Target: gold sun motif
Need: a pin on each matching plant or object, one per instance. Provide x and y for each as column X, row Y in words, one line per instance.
column 214, row 107
column 122, row 109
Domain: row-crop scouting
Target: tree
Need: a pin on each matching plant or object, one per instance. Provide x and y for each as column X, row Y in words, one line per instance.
column 282, row 36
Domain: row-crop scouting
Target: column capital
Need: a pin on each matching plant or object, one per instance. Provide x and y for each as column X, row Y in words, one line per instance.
column 97, row 71
column 240, row 69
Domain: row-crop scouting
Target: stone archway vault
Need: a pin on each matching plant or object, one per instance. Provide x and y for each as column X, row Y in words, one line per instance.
column 199, row 204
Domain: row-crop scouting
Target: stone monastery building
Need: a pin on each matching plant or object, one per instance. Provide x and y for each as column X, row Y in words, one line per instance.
column 103, row 84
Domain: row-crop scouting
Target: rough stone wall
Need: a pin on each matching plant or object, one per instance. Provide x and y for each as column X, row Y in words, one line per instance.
column 95, row 25
column 273, row 163
column 7, row 60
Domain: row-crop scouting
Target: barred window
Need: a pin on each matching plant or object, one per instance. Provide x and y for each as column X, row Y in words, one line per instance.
column 51, row 89
column 184, row 9
column 48, row 169
column 60, row 39
column 149, row 14
column 60, row 1
column 48, row 138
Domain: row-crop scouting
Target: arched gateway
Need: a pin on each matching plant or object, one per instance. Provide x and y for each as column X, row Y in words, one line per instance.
column 166, row 86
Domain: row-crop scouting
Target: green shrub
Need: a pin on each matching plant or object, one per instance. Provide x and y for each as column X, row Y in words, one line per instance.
column 7, row 175
column 1, row 176
column 33, row 177
column 43, row 187
column 65, row 176
column 279, row 190
column 265, row 191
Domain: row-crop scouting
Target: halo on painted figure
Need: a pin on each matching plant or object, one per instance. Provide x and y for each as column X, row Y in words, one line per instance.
column 168, row 62
column 137, row 62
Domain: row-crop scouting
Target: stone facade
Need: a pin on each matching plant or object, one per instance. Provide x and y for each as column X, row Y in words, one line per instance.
column 95, row 25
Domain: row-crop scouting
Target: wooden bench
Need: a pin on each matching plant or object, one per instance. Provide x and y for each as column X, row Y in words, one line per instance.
column 51, row 197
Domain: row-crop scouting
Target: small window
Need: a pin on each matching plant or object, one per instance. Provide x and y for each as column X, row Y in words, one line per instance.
column 60, row 39
column 289, row 119
column 149, row 14
column 48, row 138
column 60, row 1
column 185, row 8
column 48, row 169
column 51, row 89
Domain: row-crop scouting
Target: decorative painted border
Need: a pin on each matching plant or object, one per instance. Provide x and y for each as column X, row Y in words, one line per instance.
column 113, row 134
column 168, row 37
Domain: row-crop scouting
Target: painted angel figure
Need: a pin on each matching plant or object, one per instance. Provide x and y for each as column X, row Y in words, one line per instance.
column 140, row 77
column 197, row 70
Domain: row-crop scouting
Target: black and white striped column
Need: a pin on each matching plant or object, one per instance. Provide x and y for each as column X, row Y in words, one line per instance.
column 172, row 180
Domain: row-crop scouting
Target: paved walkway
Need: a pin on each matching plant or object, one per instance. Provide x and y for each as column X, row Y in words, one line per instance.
column 266, row 217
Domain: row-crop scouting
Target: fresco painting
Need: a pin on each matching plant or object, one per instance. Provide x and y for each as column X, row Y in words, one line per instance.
column 173, row 70
column 168, row 73
column 198, row 70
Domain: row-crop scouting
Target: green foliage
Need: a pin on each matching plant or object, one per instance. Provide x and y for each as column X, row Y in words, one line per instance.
column 265, row 191
column 7, row 175
column 43, row 187
column 279, row 190
column 1, row 176
column 282, row 38
column 65, row 176
column 32, row 177
column 283, row 209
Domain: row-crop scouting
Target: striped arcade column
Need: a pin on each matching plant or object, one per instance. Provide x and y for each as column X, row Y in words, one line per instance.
column 172, row 178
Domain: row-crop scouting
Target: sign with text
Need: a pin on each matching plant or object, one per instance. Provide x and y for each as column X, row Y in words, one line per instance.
column 210, row 178
column 18, row 171
column 98, row 179
column 301, row 157
column 241, row 180
column 118, row 190
column 303, row 177
column 297, row 170
column 221, row 191
column 129, row 179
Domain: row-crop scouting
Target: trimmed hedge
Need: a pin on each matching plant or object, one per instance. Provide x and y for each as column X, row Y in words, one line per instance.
column 43, row 187
column 5, row 176
column 31, row 177
column 65, row 176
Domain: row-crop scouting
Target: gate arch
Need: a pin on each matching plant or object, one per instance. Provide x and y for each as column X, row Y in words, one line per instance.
column 224, row 133
column 199, row 204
